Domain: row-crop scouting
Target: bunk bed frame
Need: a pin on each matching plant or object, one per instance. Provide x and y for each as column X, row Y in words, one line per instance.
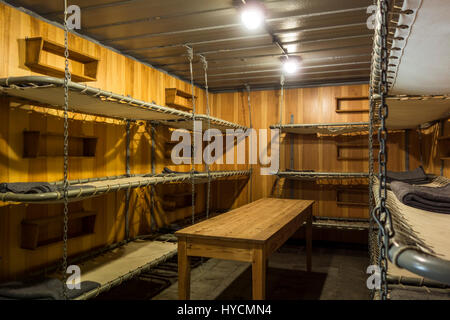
column 131, row 256
column 352, row 178
column 401, row 243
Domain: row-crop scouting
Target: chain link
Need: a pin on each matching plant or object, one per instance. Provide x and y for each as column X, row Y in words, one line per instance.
column 208, row 192
column 190, row 55
column 381, row 213
column 67, row 78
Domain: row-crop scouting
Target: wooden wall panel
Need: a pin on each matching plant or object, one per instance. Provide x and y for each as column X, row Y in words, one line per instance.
column 118, row 74
column 317, row 105
column 126, row 76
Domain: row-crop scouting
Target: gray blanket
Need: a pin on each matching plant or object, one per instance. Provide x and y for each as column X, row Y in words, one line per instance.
column 36, row 187
column 416, row 176
column 27, row 187
column 425, row 198
column 167, row 170
column 46, row 289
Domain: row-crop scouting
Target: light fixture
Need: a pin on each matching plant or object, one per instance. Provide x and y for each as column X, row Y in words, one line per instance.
column 252, row 15
column 291, row 64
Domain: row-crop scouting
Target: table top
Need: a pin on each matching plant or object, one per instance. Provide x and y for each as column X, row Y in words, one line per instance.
column 253, row 222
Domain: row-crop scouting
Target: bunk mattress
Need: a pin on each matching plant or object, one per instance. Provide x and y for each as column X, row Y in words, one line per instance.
column 416, row 229
column 422, row 66
column 120, row 264
column 325, row 128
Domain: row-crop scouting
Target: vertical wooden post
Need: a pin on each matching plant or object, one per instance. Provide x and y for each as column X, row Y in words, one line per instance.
column 309, row 240
column 259, row 274
column 184, row 270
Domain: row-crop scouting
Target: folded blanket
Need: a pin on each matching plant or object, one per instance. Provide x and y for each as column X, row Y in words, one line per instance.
column 417, row 176
column 435, row 199
column 36, row 187
column 167, row 170
column 46, row 289
column 27, row 187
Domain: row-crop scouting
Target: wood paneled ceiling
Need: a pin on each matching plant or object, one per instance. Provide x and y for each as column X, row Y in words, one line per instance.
column 330, row 36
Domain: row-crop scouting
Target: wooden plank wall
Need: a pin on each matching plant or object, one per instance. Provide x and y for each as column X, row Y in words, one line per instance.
column 118, row 74
column 317, row 105
column 126, row 76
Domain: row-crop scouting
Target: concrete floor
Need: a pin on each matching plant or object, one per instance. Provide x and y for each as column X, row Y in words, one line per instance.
column 338, row 272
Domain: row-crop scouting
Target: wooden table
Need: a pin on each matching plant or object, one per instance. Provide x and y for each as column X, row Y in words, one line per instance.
column 250, row 233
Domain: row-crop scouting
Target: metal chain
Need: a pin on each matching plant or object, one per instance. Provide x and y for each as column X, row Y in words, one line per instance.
column 208, row 192
column 381, row 213
column 67, row 78
column 281, row 98
column 190, row 55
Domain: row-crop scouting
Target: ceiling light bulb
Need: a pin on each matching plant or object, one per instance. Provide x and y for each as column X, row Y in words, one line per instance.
column 252, row 17
column 290, row 66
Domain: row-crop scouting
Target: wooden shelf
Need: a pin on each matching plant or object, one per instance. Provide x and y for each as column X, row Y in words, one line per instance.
column 179, row 99
column 357, row 197
column 38, row 145
column 353, row 105
column 84, row 67
column 359, row 148
column 34, row 232
column 175, row 201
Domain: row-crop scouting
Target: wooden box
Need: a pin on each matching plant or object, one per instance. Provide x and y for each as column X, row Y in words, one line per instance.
column 40, row 232
column 37, row 144
column 179, row 99
column 83, row 67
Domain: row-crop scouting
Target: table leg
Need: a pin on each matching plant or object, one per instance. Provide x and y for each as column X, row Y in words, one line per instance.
column 259, row 274
column 184, row 271
column 309, row 242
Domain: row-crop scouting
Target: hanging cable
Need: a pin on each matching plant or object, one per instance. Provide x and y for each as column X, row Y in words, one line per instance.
column 190, row 55
column 281, row 98
column 67, row 78
column 419, row 132
column 249, row 148
column 208, row 190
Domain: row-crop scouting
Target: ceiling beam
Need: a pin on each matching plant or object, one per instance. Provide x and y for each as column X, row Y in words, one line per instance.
column 287, row 77
column 278, row 69
column 353, row 80
column 266, row 46
column 197, row 43
column 231, row 25
column 288, row 80
column 277, row 62
column 265, row 55
column 338, row 26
